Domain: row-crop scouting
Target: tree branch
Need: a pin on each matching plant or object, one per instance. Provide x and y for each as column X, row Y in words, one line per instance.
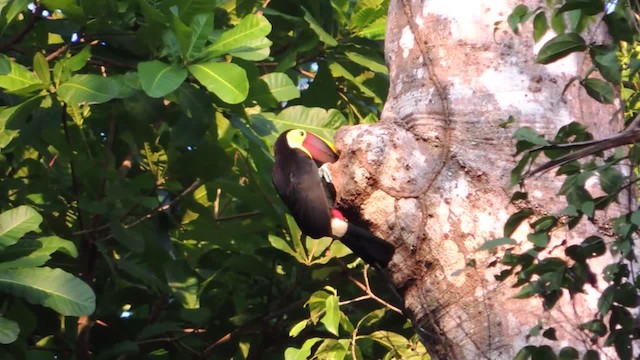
column 29, row 25
column 367, row 290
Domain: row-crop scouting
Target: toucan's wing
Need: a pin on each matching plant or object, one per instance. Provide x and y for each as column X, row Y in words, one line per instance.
column 297, row 181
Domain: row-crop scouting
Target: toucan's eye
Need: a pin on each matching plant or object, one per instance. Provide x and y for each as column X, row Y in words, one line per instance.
column 301, row 133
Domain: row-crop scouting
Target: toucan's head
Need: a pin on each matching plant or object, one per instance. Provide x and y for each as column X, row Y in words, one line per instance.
column 317, row 148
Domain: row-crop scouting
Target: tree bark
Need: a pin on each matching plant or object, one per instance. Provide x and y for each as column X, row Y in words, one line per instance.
column 432, row 177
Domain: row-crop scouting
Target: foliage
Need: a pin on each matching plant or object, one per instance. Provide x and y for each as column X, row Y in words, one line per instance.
column 141, row 130
column 614, row 75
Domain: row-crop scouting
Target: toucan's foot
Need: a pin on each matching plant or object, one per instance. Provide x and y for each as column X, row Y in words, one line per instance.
column 324, row 173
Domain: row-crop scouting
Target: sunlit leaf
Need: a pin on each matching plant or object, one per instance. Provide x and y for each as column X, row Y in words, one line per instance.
column 159, row 79
column 89, row 89
column 16, row 222
column 251, row 28
column 599, row 90
column 281, row 86
column 18, row 76
column 53, row 288
column 228, row 81
column 559, row 47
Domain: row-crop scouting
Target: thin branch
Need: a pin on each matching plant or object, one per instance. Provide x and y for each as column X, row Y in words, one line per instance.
column 239, row 215
column 167, row 206
column 360, row 298
column 29, row 25
column 367, row 290
column 241, row 329
column 57, row 53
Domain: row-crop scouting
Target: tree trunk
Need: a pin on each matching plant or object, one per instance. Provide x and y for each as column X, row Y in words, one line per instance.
column 433, row 176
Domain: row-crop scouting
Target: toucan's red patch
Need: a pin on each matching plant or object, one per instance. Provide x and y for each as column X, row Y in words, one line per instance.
column 335, row 213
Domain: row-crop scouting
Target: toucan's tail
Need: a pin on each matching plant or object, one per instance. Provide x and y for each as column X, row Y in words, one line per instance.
column 372, row 249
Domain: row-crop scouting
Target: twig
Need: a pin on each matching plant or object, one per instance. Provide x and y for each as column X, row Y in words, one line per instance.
column 249, row 323
column 264, row 5
column 29, row 25
column 367, row 290
column 360, row 298
column 161, row 208
column 57, row 53
column 239, row 216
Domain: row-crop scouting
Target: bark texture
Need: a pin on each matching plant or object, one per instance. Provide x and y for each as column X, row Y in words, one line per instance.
column 432, row 176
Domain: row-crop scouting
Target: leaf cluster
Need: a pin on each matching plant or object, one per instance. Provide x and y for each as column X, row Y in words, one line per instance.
column 580, row 159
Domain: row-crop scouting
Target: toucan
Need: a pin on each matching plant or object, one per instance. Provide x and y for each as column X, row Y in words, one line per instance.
column 302, row 180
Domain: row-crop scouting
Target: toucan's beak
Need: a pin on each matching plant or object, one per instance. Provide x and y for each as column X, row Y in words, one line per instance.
column 321, row 151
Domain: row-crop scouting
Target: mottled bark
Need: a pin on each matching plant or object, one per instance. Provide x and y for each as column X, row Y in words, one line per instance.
column 432, row 176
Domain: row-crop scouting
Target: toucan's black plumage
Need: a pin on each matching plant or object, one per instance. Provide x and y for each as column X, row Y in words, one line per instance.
column 310, row 197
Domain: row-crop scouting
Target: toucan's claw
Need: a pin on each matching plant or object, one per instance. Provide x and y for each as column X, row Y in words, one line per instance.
column 324, row 173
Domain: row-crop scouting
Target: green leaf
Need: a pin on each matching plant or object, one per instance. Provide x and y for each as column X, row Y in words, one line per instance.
column 317, row 28
column 540, row 25
column 281, row 245
column 281, row 86
column 593, row 246
column 559, row 47
column 201, row 27
column 626, row 295
column 568, row 353
column 321, row 122
column 131, row 239
column 599, row 90
column 331, row 318
column 519, row 15
column 587, row 7
column 9, row 330
column 228, row 81
column 539, row 239
column 53, row 288
column 545, row 223
column 159, row 79
column 11, row 10
column 34, row 252
column 550, row 334
column 12, row 119
column 376, row 30
column 254, row 50
column 515, row 220
column 606, row 300
column 371, row 64
column 527, row 291
column 89, row 89
column 611, row 180
column 389, row 339
column 251, row 28
column 16, row 222
column 494, row 243
column 18, row 77
column 606, row 60
column 79, row 60
column 371, row 318
column 366, row 15
column 297, row 328
column 183, row 283
column 529, row 135
column 595, row 326
column 41, row 68
column 304, row 353
column 182, row 33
